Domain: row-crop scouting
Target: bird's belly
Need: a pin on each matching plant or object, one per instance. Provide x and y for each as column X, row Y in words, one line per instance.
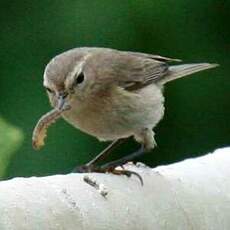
column 104, row 128
column 119, row 116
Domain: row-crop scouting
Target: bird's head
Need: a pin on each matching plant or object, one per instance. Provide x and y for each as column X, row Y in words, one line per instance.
column 69, row 77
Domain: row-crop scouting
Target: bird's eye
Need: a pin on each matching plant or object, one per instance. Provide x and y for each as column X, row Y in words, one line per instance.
column 49, row 90
column 80, row 78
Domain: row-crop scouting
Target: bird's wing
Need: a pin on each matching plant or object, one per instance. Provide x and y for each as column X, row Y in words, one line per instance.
column 137, row 71
column 152, row 56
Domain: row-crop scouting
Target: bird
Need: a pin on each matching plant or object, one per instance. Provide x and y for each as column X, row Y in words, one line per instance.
column 113, row 95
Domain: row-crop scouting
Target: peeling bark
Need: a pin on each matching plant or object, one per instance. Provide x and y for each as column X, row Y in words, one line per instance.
column 192, row 194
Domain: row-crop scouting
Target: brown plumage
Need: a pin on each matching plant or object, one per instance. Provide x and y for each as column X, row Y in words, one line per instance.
column 121, row 93
column 113, row 94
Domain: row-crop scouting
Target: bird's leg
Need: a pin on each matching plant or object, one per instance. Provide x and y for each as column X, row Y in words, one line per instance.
column 123, row 160
column 102, row 155
column 111, row 166
column 90, row 166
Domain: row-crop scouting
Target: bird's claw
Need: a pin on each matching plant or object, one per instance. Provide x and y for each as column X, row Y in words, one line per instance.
column 92, row 168
column 127, row 173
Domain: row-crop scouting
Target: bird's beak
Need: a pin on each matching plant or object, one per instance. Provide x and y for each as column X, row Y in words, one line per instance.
column 61, row 101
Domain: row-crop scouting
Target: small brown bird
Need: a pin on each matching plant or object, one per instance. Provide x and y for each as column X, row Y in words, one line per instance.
column 113, row 95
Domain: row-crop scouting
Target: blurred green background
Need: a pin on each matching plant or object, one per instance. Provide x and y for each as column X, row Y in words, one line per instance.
column 197, row 118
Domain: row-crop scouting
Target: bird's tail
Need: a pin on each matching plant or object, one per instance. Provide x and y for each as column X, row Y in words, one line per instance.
column 178, row 71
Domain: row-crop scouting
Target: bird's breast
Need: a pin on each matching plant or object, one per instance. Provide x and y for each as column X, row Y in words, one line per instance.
column 117, row 113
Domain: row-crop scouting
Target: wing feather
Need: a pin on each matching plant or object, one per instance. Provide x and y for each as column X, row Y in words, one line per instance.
column 129, row 70
column 153, row 56
column 139, row 71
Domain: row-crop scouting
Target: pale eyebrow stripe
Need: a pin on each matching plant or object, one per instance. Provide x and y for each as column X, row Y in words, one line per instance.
column 76, row 70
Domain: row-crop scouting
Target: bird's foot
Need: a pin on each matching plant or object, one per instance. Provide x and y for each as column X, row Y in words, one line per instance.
column 125, row 172
column 87, row 168
column 111, row 167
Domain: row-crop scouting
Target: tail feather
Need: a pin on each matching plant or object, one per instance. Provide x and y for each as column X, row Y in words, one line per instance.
column 178, row 71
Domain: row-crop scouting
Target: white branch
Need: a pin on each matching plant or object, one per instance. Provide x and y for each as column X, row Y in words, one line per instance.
column 193, row 194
